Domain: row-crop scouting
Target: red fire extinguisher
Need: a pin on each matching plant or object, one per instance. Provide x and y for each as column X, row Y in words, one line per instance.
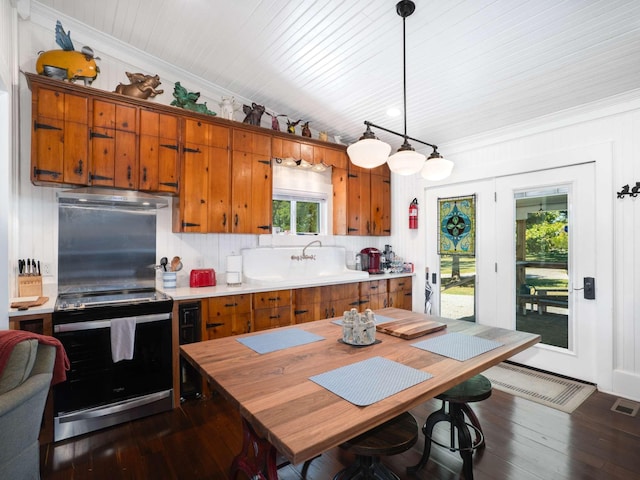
column 413, row 214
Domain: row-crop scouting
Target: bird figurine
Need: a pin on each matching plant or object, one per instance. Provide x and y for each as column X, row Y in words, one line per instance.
column 291, row 126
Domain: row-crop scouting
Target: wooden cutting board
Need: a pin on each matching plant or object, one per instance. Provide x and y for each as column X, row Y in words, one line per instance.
column 30, row 303
column 410, row 328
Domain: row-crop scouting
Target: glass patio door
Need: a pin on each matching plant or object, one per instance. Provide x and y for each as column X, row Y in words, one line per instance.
column 545, row 247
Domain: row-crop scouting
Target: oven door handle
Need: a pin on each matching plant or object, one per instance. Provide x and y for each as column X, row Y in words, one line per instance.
column 96, row 324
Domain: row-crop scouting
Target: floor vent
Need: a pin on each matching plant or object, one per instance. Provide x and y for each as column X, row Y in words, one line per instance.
column 626, row 407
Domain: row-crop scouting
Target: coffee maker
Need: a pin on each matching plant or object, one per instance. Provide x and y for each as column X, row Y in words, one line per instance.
column 370, row 260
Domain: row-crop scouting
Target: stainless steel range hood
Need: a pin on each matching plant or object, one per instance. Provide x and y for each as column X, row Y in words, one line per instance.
column 107, row 197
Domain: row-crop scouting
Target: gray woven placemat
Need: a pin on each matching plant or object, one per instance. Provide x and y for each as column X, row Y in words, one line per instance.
column 458, row 345
column 378, row 318
column 369, row 381
column 279, row 340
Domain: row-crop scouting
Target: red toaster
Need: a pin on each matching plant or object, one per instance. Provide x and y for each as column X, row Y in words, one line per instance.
column 202, row 277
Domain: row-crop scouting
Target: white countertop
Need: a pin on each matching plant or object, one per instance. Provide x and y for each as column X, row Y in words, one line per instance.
column 188, row 293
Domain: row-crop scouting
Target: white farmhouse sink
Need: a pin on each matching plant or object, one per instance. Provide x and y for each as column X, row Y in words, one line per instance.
column 283, row 265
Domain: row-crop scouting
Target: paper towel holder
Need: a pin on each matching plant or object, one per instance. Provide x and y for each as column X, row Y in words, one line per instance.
column 234, row 270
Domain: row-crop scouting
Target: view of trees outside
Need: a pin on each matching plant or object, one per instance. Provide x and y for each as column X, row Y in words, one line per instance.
column 307, row 216
column 546, row 240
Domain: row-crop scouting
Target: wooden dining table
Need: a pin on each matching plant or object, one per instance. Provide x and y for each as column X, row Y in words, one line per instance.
column 284, row 413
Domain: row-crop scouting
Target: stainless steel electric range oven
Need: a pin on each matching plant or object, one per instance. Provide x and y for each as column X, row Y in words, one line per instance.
column 106, row 274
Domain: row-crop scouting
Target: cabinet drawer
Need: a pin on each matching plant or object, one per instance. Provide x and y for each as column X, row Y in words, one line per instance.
column 373, row 287
column 400, row 284
column 272, row 318
column 272, row 299
column 304, row 296
column 219, row 306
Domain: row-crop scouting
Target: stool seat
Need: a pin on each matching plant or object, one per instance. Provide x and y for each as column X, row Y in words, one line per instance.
column 395, row 436
column 475, row 389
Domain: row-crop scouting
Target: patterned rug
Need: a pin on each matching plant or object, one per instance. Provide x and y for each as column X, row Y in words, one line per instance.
column 546, row 389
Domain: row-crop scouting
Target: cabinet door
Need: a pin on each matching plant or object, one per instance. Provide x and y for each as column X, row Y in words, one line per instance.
column 60, row 142
column 241, row 192
column 251, row 191
column 359, row 203
column 339, row 183
column 262, row 192
column 219, row 211
column 159, row 152
column 401, row 293
column 193, row 202
column 228, row 315
column 380, row 205
column 114, row 146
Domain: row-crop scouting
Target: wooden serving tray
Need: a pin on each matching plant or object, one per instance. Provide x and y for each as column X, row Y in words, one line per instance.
column 410, row 328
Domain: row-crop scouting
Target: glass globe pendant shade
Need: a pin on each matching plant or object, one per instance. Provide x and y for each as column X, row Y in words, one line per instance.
column 436, row 167
column 406, row 161
column 368, row 152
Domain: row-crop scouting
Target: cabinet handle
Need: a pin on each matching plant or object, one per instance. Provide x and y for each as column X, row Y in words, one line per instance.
column 264, row 227
column 266, row 162
column 236, row 222
column 189, row 224
column 144, row 174
column 129, row 172
column 93, row 134
column 373, row 287
column 78, row 170
column 333, row 312
column 191, row 150
column 271, row 317
column 37, row 172
column 171, row 147
column 214, row 325
column 274, row 299
column 352, row 229
column 300, row 312
column 248, row 326
column 224, row 219
column 44, row 126
column 229, row 305
column 170, row 184
column 368, row 229
column 93, row 176
column 352, row 175
column 384, row 302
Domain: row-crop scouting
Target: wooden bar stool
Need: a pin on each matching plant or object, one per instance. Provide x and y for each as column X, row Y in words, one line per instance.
column 457, row 399
column 390, row 438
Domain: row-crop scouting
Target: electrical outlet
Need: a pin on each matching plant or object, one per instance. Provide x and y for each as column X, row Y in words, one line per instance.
column 199, row 262
column 46, row 269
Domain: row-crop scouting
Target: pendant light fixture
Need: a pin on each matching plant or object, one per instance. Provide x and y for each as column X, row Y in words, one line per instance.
column 369, row 152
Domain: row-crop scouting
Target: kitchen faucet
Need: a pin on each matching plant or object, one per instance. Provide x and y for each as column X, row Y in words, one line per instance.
column 308, row 245
column 304, row 255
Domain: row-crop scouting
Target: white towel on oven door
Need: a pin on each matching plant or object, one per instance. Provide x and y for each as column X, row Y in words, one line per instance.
column 123, row 336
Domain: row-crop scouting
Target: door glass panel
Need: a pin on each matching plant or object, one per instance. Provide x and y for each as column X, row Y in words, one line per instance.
column 458, row 287
column 542, row 268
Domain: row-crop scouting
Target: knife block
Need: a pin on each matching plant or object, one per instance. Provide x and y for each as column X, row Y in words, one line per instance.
column 30, row 286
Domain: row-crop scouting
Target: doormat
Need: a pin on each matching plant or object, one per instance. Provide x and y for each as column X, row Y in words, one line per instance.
column 544, row 388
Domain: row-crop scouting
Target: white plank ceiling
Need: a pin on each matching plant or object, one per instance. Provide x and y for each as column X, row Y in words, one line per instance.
column 472, row 65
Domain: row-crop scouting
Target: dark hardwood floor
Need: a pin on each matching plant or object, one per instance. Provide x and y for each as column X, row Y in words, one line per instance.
column 525, row 441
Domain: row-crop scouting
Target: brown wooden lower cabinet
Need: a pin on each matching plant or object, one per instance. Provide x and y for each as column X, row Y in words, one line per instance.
column 226, row 316
column 271, row 309
column 400, row 293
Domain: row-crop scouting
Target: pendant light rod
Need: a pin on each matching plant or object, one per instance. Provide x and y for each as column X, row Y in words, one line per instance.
column 404, row 15
column 369, row 124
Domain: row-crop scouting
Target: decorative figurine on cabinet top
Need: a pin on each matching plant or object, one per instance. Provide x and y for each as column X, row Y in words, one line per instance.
column 253, row 113
column 275, row 123
column 228, row 106
column 187, row 100
column 291, row 126
column 67, row 64
column 306, row 131
column 142, row 86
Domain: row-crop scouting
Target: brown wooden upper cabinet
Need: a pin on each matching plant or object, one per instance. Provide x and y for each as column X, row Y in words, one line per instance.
column 220, row 171
column 204, row 202
column 60, row 137
column 159, row 152
column 113, row 145
column 369, row 201
column 251, row 182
